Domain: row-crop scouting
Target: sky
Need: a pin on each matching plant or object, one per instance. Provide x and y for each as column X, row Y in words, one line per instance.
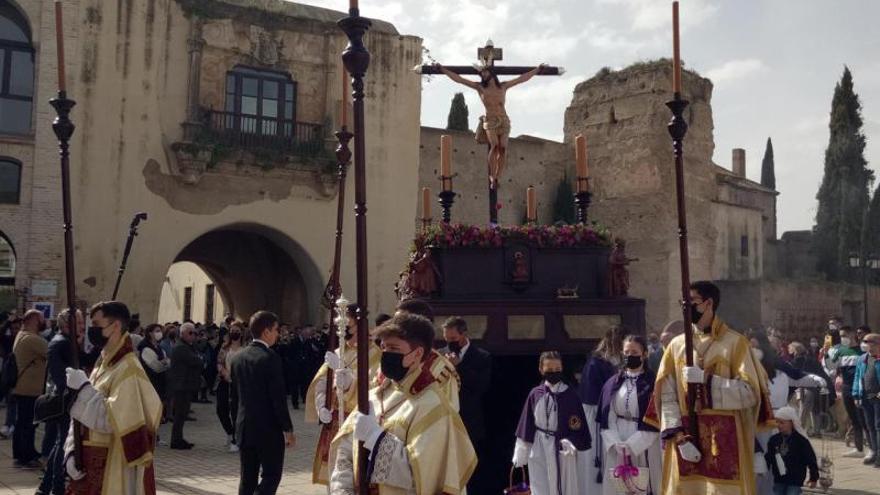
column 774, row 64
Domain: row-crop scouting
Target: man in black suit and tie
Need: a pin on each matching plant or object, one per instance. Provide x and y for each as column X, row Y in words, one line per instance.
column 474, row 367
column 263, row 427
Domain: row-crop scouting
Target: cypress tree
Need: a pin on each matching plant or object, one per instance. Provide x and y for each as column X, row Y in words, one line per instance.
column 458, row 114
column 768, row 168
column 843, row 195
column 873, row 224
column 563, row 205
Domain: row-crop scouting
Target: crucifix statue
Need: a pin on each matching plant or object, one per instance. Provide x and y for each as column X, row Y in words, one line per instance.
column 495, row 125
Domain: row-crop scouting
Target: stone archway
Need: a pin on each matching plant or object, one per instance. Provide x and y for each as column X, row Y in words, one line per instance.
column 256, row 267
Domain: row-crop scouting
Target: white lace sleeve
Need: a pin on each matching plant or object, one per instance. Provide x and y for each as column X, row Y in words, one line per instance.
column 342, row 477
column 391, row 463
column 320, row 393
column 731, row 394
column 670, row 413
column 90, row 409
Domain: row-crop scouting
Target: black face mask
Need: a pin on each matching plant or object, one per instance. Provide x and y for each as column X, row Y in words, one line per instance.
column 96, row 337
column 454, row 347
column 695, row 314
column 235, row 336
column 392, row 365
column 553, row 377
column 633, row 362
column 349, row 334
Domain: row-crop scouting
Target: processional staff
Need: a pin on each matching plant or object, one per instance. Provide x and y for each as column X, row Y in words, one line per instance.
column 132, row 232
column 63, row 128
column 677, row 129
column 356, row 59
column 333, row 292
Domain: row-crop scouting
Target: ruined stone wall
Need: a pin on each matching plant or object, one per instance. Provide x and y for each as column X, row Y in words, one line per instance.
column 128, row 65
column 623, row 116
column 531, row 162
column 798, row 308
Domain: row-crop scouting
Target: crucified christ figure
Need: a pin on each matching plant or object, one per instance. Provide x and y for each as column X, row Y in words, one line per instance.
column 496, row 123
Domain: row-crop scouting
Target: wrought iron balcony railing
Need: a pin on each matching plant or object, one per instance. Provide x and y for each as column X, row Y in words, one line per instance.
column 256, row 132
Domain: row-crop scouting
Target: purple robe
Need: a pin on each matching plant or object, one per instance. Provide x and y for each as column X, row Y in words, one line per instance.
column 644, row 391
column 596, row 372
column 571, row 422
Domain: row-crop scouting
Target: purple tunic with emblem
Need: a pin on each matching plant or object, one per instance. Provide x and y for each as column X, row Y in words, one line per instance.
column 571, row 422
column 644, row 390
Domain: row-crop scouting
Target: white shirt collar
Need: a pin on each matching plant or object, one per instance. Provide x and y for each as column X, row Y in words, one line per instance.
column 262, row 342
column 464, row 350
column 558, row 388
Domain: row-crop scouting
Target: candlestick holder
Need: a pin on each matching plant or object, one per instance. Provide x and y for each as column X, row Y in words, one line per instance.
column 677, row 129
column 582, row 198
column 426, row 222
column 63, row 128
column 447, row 198
column 356, row 59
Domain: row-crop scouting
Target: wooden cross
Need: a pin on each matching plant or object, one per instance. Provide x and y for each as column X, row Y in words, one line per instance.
column 488, row 55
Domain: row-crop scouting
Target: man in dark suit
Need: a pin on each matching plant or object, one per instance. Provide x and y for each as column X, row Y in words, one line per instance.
column 263, row 427
column 184, row 380
column 474, row 367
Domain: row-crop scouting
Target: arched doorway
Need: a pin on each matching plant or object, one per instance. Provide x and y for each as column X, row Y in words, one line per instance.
column 247, row 267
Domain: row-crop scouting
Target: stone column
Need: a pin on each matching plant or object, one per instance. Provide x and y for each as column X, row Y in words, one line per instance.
column 195, row 43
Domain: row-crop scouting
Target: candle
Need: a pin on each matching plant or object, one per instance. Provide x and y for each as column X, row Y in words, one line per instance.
column 426, row 203
column 676, row 53
column 59, row 44
column 446, row 161
column 580, row 151
column 344, row 117
column 531, row 205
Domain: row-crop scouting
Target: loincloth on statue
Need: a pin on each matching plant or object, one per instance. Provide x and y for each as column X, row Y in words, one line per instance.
column 497, row 124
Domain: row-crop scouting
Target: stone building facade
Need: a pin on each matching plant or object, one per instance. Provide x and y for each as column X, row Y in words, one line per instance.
column 216, row 118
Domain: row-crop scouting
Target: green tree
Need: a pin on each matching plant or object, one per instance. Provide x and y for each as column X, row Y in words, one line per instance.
column 563, row 205
column 458, row 114
column 768, row 168
column 843, row 195
column 873, row 224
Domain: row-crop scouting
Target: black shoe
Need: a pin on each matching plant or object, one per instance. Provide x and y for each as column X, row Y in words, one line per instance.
column 869, row 461
column 190, row 418
column 181, row 445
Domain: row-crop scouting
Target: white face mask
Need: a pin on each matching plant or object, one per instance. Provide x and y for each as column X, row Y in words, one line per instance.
column 864, row 346
column 845, row 341
column 157, row 336
column 759, row 354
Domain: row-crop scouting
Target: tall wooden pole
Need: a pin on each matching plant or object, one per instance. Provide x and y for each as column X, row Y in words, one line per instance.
column 132, row 233
column 677, row 129
column 356, row 59
column 63, row 128
column 343, row 157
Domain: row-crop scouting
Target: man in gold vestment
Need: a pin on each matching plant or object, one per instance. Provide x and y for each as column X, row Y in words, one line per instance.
column 733, row 403
column 119, row 411
column 417, row 441
column 344, row 370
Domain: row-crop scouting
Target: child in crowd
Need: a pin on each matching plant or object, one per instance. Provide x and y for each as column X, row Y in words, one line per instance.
column 790, row 455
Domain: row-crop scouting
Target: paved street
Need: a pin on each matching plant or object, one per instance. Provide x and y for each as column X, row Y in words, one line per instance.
column 210, row 470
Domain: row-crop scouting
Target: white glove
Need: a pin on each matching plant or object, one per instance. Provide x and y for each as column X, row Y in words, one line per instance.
column 521, row 453
column 343, row 378
column 332, row 360
column 76, row 378
column 693, row 374
column 567, row 448
column 325, row 416
column 72, row 471
column 366, row 429
column 689, row 452
column 819, row 381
